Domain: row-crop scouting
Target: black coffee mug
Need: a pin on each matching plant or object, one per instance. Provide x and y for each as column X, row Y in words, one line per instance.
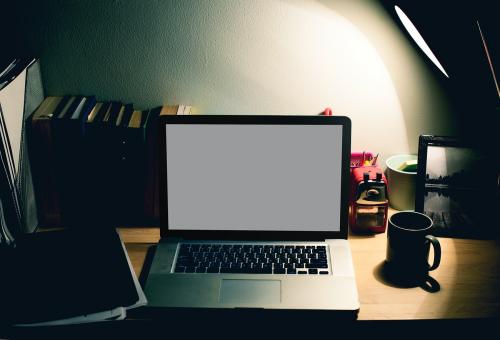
column 408, row 245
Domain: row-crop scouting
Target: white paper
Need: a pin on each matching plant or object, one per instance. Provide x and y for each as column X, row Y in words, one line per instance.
column 12, row 101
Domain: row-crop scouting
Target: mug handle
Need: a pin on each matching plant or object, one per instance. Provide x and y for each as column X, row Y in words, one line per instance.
column 437, row 251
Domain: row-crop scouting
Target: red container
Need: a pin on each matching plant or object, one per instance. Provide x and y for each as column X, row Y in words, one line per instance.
column 368, row 204
column 359, row 158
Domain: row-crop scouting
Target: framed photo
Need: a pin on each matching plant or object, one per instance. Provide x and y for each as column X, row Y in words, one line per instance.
column 457, row 187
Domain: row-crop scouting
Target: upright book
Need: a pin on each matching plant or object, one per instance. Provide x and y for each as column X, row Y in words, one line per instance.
column 68, row 126
column 151, row 193
column 43, row 161
column 130, row 166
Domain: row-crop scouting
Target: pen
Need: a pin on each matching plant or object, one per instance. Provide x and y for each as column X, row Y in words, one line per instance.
column 374, row 160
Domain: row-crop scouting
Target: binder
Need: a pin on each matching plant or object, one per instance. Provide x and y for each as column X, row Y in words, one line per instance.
column 21, row 92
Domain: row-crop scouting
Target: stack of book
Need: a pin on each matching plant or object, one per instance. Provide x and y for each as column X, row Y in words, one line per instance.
column 73, row 275
column 94, row 163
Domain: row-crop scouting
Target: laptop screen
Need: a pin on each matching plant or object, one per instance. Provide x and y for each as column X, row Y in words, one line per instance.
column 253, row 177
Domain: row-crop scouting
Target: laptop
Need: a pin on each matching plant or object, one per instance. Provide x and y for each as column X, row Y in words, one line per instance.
column 254, row 213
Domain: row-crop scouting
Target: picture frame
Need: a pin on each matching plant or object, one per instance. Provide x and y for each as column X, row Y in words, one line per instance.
column 457, row 187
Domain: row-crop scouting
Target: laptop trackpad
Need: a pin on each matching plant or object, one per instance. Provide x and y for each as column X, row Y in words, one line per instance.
column 250, row 292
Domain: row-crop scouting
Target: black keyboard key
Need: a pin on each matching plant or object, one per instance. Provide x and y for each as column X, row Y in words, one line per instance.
column 246, row 266
column 323, row 272
column 213, row 270
column 184, row 249
column 267, row 266
column 261, row 257
column 200, row 269
column 279, row 270
column 301, row 271
column 185, row 262
column 318, row 264
column 190, row 269
column 263, row 271
column 291, row 271
column 313, row 271
column 180, row 269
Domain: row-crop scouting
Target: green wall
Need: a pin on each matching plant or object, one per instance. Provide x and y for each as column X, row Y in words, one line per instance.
column 244, row 57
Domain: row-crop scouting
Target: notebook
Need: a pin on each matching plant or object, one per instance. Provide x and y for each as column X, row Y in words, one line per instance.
column 67, row 276
column 253, row 214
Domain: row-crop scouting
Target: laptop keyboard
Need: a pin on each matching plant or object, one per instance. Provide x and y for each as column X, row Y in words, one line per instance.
column 252, row 259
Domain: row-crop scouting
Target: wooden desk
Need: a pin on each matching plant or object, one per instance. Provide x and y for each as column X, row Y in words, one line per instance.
column 469, row 278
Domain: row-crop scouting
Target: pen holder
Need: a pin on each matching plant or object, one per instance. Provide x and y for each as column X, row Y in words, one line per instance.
column 368, row 204
column 358, row 159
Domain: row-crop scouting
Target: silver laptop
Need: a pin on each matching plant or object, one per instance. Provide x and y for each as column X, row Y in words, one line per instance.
column 253, row 214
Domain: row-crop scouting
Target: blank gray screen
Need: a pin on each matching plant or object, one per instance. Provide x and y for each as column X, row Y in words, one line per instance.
column 253, row 177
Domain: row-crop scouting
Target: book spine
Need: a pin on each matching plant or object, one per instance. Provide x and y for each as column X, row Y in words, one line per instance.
column 68, row 135
column 151, row 194
column 41, row 150
column 131, row 174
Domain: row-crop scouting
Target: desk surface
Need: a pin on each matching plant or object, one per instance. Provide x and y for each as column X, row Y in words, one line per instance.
column 469, row 278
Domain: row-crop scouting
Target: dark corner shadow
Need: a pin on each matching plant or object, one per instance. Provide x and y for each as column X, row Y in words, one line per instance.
column 383, row 275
